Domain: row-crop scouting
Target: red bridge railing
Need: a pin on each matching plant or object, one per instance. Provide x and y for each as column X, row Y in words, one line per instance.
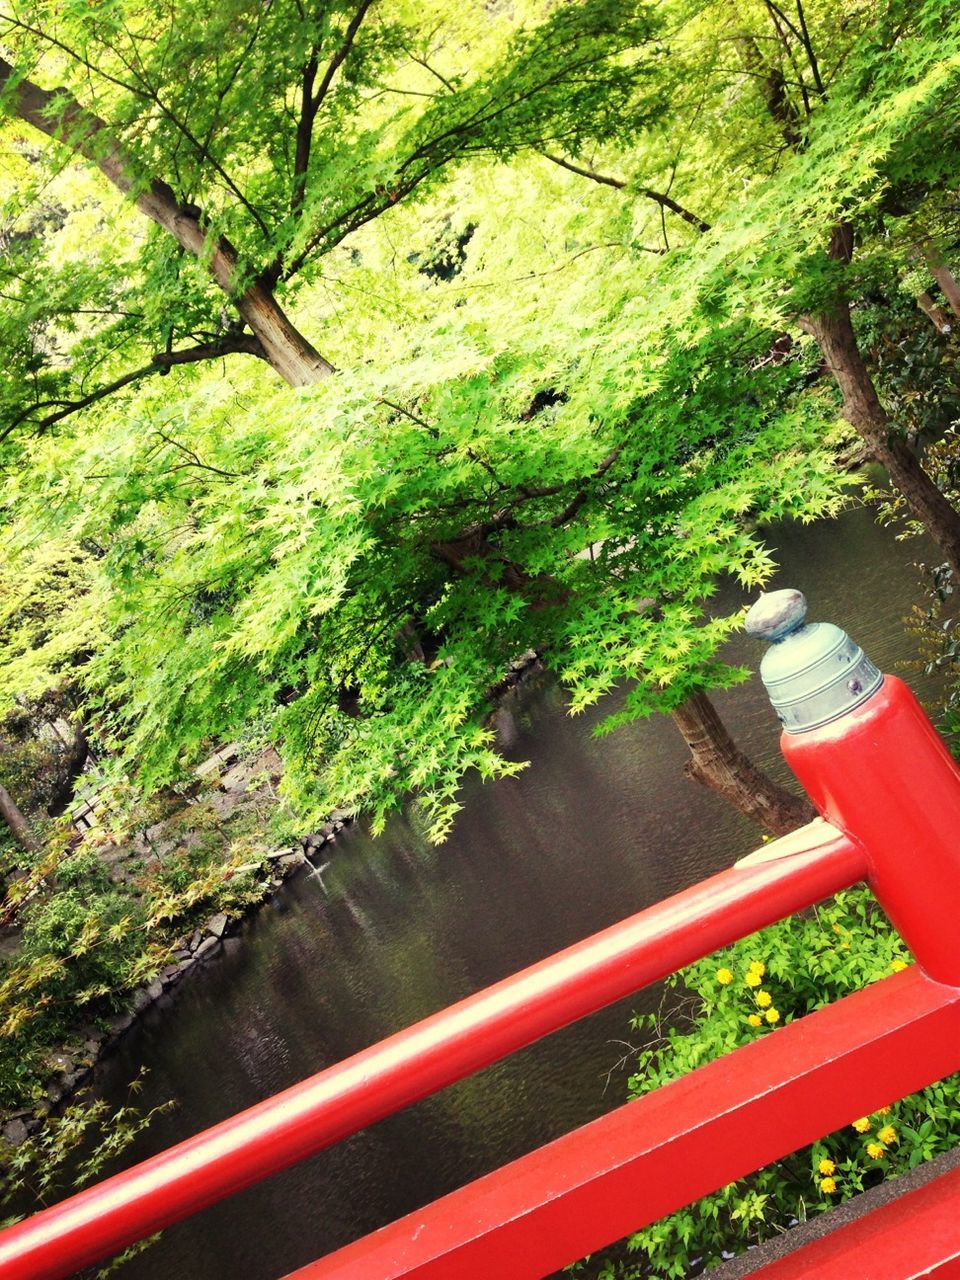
column 899, row 830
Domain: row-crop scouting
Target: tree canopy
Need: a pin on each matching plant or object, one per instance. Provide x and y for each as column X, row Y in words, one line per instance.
column 560, row 292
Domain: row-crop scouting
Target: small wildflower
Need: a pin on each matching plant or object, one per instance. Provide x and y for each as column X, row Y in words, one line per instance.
column 755, row 1020
column 836, row 928
column 862, row 1125
column 827, row 1167
column 772, row 1015
column 898, row 966
column 757, row 966
column 887, row 1134
column 829, row 1185
column 752, row 979
column 876, row 1150
column 764, row 999
column 883, row 1111
column 724, row 977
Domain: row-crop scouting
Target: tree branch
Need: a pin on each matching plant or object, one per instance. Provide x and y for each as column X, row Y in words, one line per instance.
column 61, row 117
column 340, row 55
column 578, row 500
column 308, row 113
column 658, row 197
column 160, row 364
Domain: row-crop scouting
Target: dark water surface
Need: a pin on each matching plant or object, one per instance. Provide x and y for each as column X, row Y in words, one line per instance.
column 593, row 831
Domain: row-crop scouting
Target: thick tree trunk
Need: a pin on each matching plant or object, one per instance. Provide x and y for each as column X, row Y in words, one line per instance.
column 944, row 278
column 718, row 763
column 19, row 827
column 59, row 116
column 833, row 331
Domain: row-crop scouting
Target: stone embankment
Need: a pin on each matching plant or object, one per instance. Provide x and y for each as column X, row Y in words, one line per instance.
column 72, row 1066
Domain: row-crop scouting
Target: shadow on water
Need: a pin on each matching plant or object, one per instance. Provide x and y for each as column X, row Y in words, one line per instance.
column 594, row 830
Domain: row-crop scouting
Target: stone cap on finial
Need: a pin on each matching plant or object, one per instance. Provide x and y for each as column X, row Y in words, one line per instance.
column 776, row 614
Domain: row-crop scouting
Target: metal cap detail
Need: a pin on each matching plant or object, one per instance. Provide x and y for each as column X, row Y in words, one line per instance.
column 813, row 672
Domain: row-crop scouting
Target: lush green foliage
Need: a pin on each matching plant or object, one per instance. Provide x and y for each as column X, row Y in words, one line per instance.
column 747, row 991
column 558, row 439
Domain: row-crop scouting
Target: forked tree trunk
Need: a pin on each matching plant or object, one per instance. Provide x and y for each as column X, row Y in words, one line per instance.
column 19, row 827
column 834, row 333
column 718, row 763
column 60, row 116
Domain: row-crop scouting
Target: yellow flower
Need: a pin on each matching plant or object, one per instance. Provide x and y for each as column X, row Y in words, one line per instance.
column 828, row 1184
column 772, row 1015
column 755, row 1020
column 827, row 1166
column 757, row 966
column 724, row 977
column 752, row 979
column 862, row 1125
column 883, row 1111
column 898, row 966
column 877, row 1150
column 764, row 999
column 887, row 1134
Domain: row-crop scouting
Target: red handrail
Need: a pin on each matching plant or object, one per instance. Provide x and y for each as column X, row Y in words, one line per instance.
column 433, row 1053
column 901, row 835
column 680, row 1142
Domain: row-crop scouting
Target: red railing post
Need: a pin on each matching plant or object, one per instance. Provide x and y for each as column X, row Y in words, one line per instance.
column 875, row 767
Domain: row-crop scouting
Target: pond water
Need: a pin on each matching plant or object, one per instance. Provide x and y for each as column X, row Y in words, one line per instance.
column 594, row 830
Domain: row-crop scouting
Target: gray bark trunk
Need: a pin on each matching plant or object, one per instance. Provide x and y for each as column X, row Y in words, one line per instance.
column 833, row 331
column 934, row 313
column 944, row 278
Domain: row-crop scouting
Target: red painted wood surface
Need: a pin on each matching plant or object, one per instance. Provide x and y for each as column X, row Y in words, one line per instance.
column 883, row 774
column 918, row 1234
column 677, row 1144
column 451, row 1044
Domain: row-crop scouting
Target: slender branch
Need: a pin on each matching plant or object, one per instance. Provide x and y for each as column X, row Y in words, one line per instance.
column 160, row 364
column 578, row 500
column 429, row 158
column 775, row 74
column 659, row 197
column 338, row 58
column 194, row 459
column 228, row 82
column 422, row 62
column 775, row 9
column 811, row 56
column 421, row 422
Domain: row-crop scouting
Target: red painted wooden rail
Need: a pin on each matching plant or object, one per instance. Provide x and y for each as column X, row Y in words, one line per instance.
column 668, row 1148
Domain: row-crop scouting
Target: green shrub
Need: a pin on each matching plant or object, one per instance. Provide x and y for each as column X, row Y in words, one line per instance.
column 749, row 990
